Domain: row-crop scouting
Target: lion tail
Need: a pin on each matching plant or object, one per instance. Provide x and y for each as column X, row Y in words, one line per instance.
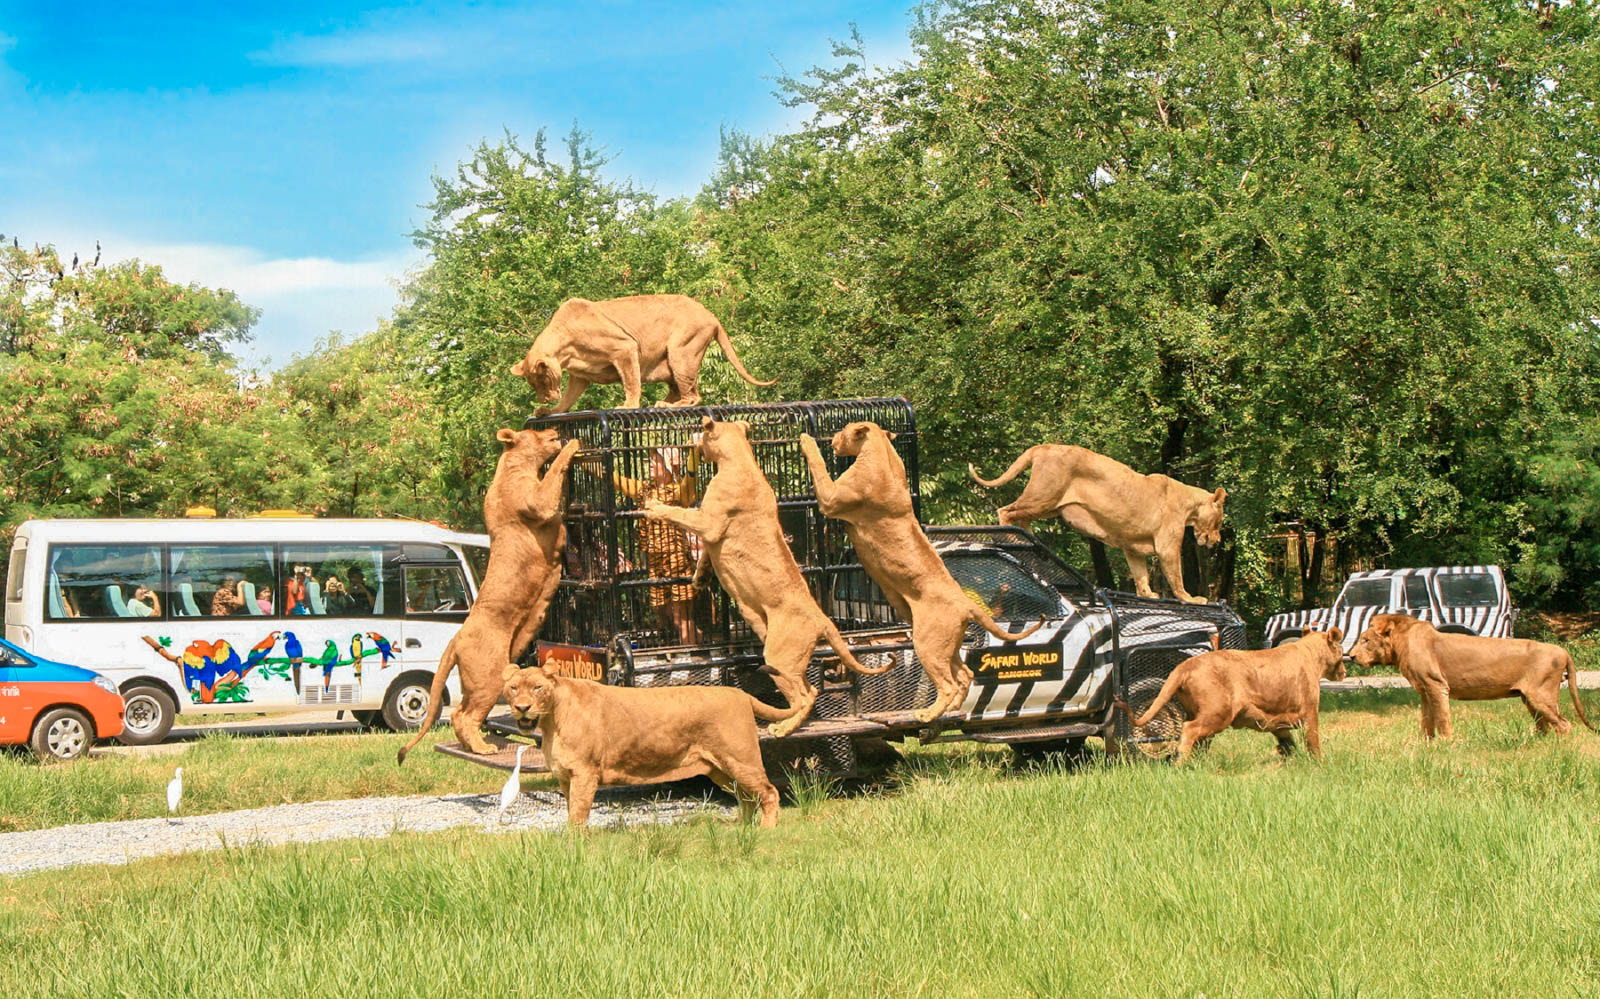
column 767, row 712
column 1168, row 691
column 1572, row 688
column 447, row 662
column 1022, row 462
column 733, row 358
column 994, row 629
column 830, row 634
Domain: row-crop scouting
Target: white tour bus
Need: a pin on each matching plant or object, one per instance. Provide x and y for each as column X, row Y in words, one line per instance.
column 271, row 613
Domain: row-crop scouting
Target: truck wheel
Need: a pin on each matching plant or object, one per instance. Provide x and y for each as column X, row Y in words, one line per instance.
column 406, row 704
column 1068, row 750
column 147, row 713
column 62, row 734
column 1122, row 739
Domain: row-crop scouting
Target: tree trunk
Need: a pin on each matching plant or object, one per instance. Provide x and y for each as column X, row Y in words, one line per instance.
column 1102, row 565
column 1194, row 577
column 1311, row 569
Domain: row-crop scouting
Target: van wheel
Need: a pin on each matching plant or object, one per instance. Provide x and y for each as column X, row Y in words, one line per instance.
column 147, row 714
column 63, row 734
column 406, row 704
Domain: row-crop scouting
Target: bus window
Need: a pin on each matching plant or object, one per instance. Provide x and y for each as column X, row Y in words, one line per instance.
column 224, row 581
column 435, row 589
column 335, row 580
column 103, row 582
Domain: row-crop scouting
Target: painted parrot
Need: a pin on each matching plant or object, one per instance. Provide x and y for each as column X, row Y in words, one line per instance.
column 208, row 666
column 355, row 654
column 384, row 648
column 296, row 654
column 328, row 660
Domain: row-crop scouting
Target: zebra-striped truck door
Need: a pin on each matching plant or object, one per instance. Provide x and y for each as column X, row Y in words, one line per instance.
column 1056, row 670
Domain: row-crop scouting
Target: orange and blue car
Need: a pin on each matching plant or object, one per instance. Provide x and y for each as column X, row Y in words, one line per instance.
column 57, row 709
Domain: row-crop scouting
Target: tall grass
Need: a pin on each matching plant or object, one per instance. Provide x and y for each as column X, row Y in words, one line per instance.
column 1394, row 868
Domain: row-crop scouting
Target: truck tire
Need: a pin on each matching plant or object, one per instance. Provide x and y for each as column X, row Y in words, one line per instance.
column 1123, row 740
column 147, row 714
column 1068, row 750
column 406, row 703
column 62, row 734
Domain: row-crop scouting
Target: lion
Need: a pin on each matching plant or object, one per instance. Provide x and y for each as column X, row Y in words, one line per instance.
column 1273, row 690
column 738, row 522
column 526, row 536
column 874, row 501
column 1443, row 665
column 1103, row 499
column 593, row 734
column 641, row 338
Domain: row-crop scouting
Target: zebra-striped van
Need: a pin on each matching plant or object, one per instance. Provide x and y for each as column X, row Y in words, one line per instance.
column 1468, row 599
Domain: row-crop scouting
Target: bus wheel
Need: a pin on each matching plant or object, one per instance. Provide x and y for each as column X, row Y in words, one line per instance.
column 147, row 714
column 62, row 734
column 406, row 704
column 368, row 719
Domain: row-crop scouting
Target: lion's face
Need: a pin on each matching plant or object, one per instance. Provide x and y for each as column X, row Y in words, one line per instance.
column 1207, row 519
column 532, row 447
column 848, row 442
column 1376, row 644
column 531, row 694
column 719, row 441
column 542, row 373
column 1330, row 652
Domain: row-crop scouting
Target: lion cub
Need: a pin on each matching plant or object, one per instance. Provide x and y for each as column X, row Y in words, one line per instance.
column 595, row 735
column 1103, row 499
column 874, row 501
column 526, row 536
column 1273, row 690
column 738, row 521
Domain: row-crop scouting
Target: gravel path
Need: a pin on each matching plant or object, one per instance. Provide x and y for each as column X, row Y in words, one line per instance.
column 363, row 818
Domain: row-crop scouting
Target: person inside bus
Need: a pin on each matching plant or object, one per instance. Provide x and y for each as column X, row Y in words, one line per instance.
column 360, row 595
column 145, row 603
column 668, row 551
column 335, row 596
column 264, row 598
column 226, row 600
column 296, row 588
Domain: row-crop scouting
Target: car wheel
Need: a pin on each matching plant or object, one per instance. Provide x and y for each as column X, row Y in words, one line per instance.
column 406, row 704
column 147, row 714
column 62, row 734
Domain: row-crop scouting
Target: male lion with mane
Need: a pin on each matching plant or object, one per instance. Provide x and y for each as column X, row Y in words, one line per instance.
column 1443, row 666
column 526, row 536
column 595, row 735
column 1103, row 499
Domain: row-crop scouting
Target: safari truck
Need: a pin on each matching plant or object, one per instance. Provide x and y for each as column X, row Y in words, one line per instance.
column 1049, row 691
column 1464, row 599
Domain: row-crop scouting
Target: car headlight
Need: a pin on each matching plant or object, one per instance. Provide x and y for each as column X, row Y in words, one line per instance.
column 105, row 685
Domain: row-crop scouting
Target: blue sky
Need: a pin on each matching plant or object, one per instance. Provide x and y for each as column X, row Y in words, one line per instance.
column 284, row 152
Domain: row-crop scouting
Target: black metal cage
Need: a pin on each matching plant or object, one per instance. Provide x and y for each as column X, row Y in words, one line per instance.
column 615, row 584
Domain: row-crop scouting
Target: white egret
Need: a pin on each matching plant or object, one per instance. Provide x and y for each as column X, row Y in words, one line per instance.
column 174, row 792
column 513, row 787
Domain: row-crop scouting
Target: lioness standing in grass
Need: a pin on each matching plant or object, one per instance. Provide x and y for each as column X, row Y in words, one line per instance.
column 738, row 521
column 874, row 501
column 526, row 536
column 594, row 735
column 1444, row 666
column 1273, row 690
column 1103, row 499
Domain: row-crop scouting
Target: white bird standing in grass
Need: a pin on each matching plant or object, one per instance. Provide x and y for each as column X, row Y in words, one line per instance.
column 513, row 787
column 174, row 793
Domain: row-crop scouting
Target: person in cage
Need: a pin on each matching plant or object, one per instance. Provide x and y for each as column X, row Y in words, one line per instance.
column 669, row 552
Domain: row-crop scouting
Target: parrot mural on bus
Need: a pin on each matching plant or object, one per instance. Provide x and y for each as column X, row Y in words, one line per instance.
column 214, row 672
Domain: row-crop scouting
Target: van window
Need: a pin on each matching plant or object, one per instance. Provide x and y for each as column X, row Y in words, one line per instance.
column 1466, row 589
column 1368, row 593
column 1417, row 593
column 103, row 582
column 352, row 580
column 435, row 589
column 14, row 568
column 224, row 581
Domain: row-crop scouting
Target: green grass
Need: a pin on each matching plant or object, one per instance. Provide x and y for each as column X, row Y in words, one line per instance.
column 223, row 772
column 1394, row 868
